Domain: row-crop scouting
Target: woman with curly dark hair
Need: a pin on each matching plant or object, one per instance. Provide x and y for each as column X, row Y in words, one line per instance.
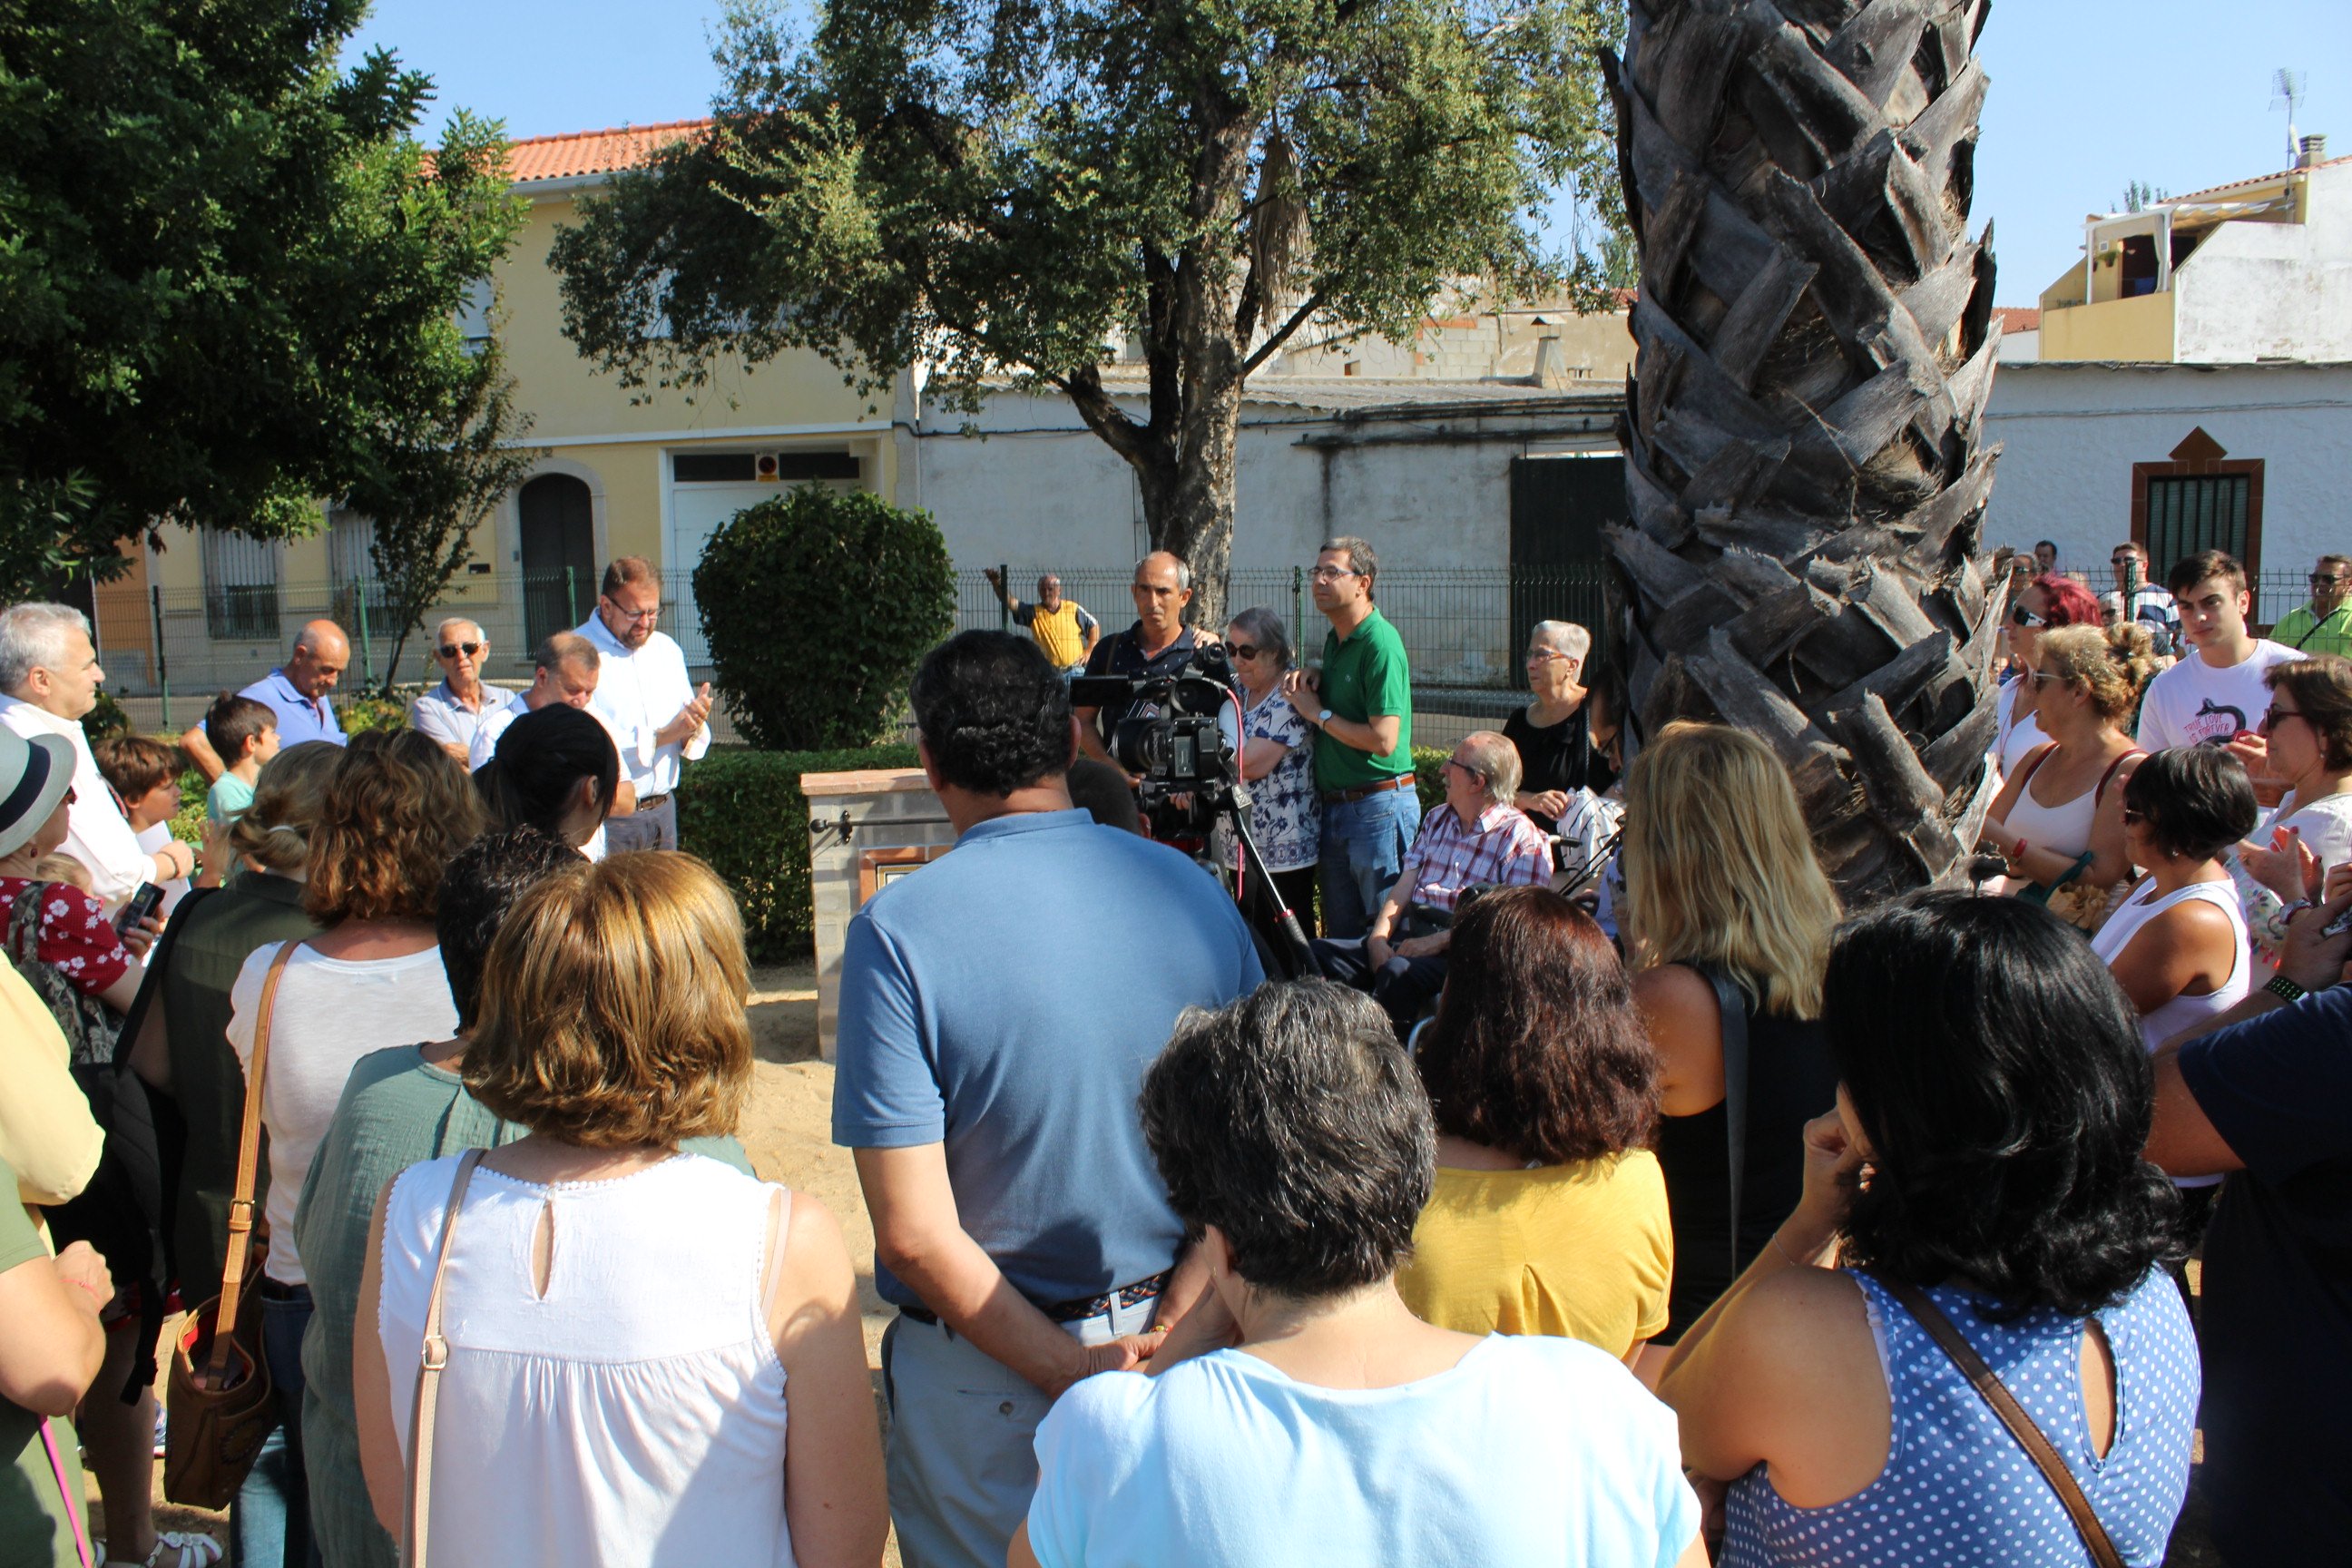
column 1549, row 1216
column 1982, row 1169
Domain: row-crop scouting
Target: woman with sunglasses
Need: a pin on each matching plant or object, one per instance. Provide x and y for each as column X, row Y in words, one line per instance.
column 2054, row 821
column 2308, row 730
column 1278, row 764
column 2044, row 603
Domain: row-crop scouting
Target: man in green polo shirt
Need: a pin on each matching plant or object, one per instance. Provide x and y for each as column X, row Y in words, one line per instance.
column 1362, row 702
column 2323, row 625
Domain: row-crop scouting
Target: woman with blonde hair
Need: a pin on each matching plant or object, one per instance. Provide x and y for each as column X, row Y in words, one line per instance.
column 1728, row 923
column 396, row 809
column 663, row 1351
column 2058, row 820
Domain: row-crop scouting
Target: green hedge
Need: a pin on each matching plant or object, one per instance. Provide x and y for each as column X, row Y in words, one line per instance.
column 1429, row 775
column 743, row 812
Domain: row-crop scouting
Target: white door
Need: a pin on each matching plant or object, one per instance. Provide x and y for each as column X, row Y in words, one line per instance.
column 696, row 511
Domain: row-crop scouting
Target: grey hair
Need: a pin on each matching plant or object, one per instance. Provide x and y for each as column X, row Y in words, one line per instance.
column 1567, row 636
column 1263, row 627
column 558, row 648
column 448, row 621
column 1498, row 764
column 1183, row 568
column 1361, row 560
column 33, row 636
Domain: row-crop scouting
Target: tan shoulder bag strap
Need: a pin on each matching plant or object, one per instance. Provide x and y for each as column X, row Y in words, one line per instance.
column 249, row 1167
column 435, row 1356
column 1996, row 1394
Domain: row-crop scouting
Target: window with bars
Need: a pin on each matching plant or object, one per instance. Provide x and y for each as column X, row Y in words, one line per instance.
column 2189, row 513
column 240, row 587
column 351, row 567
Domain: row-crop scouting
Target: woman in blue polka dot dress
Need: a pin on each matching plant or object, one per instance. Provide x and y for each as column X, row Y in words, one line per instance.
column 1986, row 1149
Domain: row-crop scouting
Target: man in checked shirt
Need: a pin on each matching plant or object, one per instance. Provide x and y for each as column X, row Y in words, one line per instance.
column 1477, row 838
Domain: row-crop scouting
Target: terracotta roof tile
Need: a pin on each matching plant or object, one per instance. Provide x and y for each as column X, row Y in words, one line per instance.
column 2014, row 320
column 592, row 151
column 2256, row 180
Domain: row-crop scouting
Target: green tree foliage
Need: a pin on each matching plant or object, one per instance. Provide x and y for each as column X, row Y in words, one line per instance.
column 997, row 189
column 817, row 607
column 228, row 275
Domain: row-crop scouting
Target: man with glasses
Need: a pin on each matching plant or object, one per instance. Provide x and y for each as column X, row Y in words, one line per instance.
column 2142, row 600
column 1362, row 701
column 647, row 699
column 453, row 711
column 2325, row 625
column 1476, row 838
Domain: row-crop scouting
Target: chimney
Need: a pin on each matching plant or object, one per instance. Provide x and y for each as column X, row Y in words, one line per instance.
column 2314, row 151
column 1551, row 362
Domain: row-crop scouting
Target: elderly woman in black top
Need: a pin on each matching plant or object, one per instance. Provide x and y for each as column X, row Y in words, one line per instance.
column 1559, row 754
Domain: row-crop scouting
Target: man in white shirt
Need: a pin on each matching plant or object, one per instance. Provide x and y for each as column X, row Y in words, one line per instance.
column 48, row 669
column 661, row 719
column 453, row 711
column 2215, row 696
column 2141, row 599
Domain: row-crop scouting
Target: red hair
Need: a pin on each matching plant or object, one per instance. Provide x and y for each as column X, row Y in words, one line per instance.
column 2070, row 603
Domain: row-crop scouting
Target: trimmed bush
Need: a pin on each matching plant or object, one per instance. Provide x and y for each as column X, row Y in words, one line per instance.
column 358, row 715
column 1429, row 775
column 744, row 813
column 816, row 606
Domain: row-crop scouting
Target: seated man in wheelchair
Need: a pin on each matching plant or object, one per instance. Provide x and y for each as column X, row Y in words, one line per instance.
column 1477, row 838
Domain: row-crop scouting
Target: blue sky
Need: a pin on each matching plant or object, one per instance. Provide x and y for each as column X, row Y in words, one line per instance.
column 2087, row 95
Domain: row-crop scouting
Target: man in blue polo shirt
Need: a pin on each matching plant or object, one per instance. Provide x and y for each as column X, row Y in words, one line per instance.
column 297, row 691
column 993, row 1037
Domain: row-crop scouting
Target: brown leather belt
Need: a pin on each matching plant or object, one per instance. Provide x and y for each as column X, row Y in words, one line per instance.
column 650, row 800
column 1366, row 792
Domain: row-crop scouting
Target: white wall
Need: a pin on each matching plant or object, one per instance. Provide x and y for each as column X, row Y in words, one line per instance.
column 2272, row 291
column 1033, row 486
column 2071, row 433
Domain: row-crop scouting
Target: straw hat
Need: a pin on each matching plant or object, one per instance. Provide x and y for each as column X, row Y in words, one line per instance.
column 34, row 775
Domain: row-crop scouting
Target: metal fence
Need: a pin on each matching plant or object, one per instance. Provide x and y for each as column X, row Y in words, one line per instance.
column 1463, row 630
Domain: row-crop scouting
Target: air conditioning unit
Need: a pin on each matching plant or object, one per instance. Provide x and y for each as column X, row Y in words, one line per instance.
column 765, row 468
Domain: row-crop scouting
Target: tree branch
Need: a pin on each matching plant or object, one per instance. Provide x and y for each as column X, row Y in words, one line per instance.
column 1266, row 350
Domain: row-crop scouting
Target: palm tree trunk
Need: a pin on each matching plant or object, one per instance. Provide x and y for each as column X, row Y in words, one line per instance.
column 1803, row 429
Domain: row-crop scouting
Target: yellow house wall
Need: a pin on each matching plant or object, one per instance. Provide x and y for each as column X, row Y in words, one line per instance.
column 2134, row 330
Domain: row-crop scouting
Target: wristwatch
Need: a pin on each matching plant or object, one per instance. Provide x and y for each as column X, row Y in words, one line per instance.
column 1323, row 719
column 2285, row 990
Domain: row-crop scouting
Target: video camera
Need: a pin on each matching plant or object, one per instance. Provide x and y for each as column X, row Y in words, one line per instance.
column 1173, row 734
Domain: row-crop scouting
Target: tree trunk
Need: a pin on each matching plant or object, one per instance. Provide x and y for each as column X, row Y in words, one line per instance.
column 1802, row 435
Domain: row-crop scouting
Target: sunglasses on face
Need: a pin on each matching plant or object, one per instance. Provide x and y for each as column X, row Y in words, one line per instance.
column 452, row 649
column 2319, row 582
column 2271, row 715
column 2019, row 616
column 1243, row 650
column 1465, row 767
column 1332, row 574
column 2134, row 818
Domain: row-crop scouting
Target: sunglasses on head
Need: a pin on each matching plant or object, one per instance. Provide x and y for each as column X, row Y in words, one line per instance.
column 2019, row 616
column 452, row 649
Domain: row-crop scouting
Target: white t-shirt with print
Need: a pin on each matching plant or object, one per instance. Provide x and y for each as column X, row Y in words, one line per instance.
column 2194, row 704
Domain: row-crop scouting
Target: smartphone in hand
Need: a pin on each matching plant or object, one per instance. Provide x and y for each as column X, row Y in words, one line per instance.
column 142, row 904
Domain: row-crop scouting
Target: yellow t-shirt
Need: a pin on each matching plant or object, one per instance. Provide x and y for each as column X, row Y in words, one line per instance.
column 47, row 1135
column 1057, row 632
column 1583, row 1251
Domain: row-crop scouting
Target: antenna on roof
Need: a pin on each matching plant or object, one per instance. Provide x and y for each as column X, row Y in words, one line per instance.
column 2287, row 89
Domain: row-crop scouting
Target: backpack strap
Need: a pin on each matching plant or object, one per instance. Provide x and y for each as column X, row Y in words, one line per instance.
column 1731, row 1000
column 1996, row 1394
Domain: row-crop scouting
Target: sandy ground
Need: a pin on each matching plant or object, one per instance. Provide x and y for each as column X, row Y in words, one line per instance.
column 787, row 1129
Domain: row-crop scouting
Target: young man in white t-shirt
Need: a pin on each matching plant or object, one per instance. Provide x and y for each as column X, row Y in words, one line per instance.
column 2215, row 695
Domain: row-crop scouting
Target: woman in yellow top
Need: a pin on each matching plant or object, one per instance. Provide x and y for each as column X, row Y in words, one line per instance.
column 1549, row 1213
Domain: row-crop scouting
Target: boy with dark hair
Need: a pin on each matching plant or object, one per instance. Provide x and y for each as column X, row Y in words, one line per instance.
column 244, row 734
column 144, row 774
column 2215, row 695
